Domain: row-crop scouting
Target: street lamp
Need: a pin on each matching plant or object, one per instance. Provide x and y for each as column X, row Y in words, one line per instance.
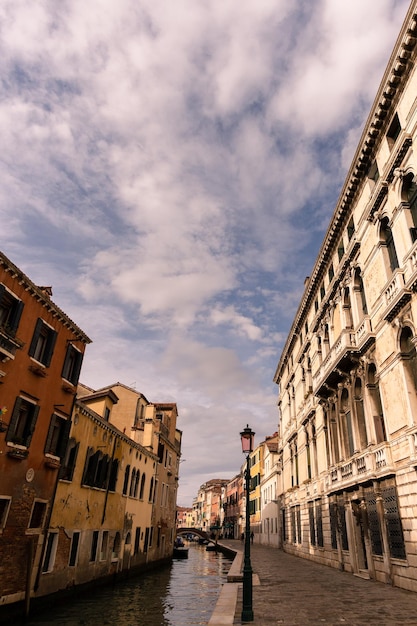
column 247, row 437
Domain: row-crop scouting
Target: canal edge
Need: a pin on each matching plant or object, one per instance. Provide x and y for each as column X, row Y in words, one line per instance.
column 225, row 609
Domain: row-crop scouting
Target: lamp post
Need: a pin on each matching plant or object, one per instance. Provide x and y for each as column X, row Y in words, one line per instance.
column 247, row 437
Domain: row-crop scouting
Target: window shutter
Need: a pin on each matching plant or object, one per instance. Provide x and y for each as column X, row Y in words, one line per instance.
column 16, row 315
column 77, row 367
column 63, row 440
column 50, row 433
column 2, row 290
column 50, row 345
column 35, row 337
column 13, row 419
column 32, row 424
column 65, row 372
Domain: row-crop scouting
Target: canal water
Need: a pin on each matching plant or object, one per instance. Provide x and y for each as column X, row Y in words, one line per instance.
column 183, row 593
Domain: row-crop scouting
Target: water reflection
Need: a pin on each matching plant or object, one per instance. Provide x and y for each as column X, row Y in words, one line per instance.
column 183, row 593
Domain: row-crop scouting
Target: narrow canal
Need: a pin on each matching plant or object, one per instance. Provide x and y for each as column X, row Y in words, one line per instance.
column 183, row 593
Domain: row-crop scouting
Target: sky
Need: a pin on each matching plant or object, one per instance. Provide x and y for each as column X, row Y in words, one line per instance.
column 170, row 168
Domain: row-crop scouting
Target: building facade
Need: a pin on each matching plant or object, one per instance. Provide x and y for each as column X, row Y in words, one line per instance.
column 270, row 488
column 347, row 375
column 41, row 351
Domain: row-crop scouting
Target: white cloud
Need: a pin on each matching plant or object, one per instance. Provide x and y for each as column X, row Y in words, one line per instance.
column 170, row 169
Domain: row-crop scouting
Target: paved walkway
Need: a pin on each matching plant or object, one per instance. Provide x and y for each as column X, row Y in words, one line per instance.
column 294, row 591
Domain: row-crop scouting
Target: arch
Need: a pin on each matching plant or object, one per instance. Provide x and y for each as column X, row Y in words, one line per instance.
column 126, row 481
column 376, row 403
column 407, row 341
column 142, row 486
column 359, row 292
column 132, row 482
column 387, row 239
column 360, row 413
column 347, row 308
column 347, row 430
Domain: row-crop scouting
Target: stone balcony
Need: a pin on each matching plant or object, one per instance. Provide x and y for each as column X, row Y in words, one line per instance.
column 368, row 465
column 342, row 355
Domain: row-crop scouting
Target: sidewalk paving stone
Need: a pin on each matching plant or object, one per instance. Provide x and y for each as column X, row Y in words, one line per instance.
column 298, row 592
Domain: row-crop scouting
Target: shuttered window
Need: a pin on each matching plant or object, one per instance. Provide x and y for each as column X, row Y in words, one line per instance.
column 22, row 423
column 43, row 343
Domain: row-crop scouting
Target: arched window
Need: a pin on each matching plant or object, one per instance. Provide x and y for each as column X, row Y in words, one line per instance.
column 359, row 292
column 135, row 490
column 409, row 358
column 409, row 195
column 132, row 482
column 388, row 240
column 346, row 418
column 360, row 413
column 126, row 481
column 151, row 490
column 376, row 404
column 142, row 486
column 347, row 310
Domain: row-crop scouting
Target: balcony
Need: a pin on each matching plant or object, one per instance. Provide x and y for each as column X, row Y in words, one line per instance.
column 395, row 295
column 365, row 466
column 342, row 356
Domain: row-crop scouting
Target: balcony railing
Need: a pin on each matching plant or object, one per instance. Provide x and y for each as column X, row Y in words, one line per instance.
column 8, row 346
column 363, row 466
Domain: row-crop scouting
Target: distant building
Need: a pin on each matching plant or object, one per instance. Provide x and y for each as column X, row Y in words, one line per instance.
column 41, row 352
column 232, row 522
column 270, row 488
column 207, row 504
column 347, row 375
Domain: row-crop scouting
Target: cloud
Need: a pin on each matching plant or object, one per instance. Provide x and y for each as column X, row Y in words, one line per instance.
column 170, row 168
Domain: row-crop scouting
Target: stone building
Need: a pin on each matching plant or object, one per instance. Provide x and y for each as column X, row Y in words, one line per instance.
column 41, row 351
column 347, row 375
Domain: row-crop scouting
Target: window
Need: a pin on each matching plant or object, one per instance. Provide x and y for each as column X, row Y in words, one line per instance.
column 10, row 310
column 43, row 343
column 116, row 547
column 340, row 250
column 393, row 131
column 94, row 546
column 350, row 229
column 37, row 517
column 373, row 172
column 74, row 549
column 68, row 466
column 142, row 486
column 137, row 541
column 4, row 510
column 104, row 545
column 50, row 552
column 331, row 273
column 72, row 364
column 409, row 195
column 388, row 239
column 126, row 481
column 22, row 422
column 56, row 441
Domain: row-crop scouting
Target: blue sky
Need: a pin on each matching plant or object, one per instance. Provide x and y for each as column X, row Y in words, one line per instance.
column 170, row 168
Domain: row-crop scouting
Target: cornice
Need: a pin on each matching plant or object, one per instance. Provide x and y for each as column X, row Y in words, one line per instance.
column 399, row 66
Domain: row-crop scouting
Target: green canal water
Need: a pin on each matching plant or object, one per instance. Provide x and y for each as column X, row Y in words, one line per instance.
column 183, row 593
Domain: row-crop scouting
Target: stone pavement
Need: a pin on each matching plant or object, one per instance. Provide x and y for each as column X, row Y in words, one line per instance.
column 297, row 592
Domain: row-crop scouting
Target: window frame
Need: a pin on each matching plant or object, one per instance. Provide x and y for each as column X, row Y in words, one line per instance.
column 43, row 343
column 72, row 364
column 9, row 323
column 25, row 438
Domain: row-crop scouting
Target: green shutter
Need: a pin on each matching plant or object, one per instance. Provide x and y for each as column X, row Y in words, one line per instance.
column 16, row 315
column 13, row 419
column 50, row 345
column 32, row 424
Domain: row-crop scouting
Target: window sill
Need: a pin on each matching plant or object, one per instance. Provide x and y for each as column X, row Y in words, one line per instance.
column 17, row 451
column 51, row 461
column 38, row 370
